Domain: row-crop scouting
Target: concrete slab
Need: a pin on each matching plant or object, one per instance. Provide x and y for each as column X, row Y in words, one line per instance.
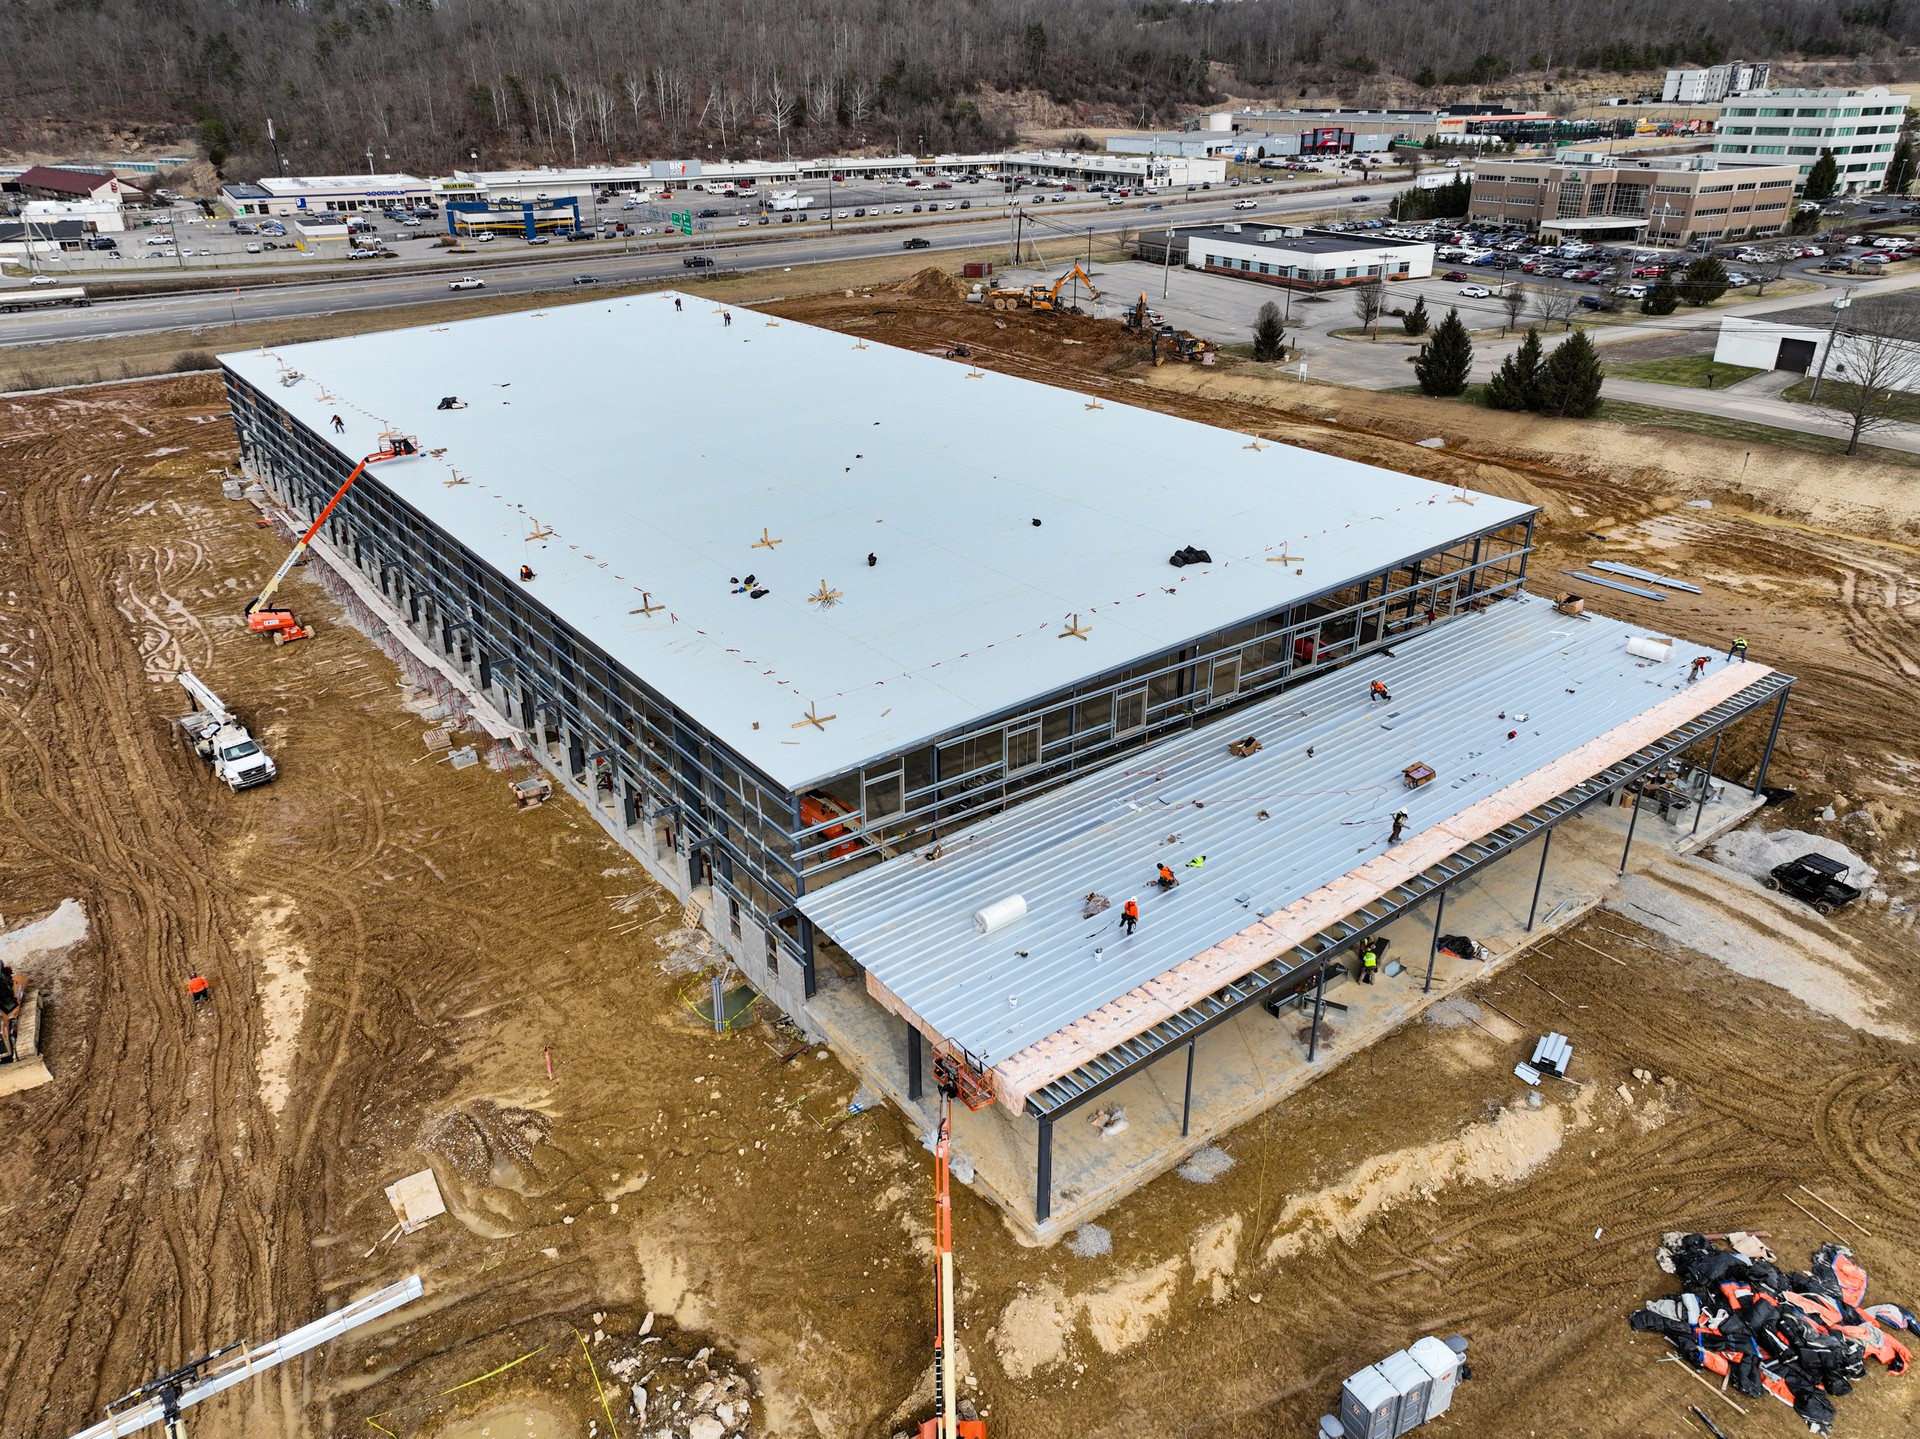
column 1252, row 1062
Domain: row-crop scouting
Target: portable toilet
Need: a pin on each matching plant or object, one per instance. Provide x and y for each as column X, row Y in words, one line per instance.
column 1412, row 1383
column 1443, row 1367
column 1369, row 1405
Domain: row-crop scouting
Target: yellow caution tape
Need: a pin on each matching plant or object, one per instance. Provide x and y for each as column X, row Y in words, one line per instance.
column 596, row 1382
column 491, row 1372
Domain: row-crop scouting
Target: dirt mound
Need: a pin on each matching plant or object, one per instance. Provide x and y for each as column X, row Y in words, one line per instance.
column 932, row 283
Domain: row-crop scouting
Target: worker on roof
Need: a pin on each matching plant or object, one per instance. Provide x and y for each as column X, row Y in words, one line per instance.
column 1399, row 826
column 1165, row 879
column 339, row 425
column 1130, row 915
column 526, row 572
column 1369, row 961
column 1738, row 649
column 1697, row 668
column 1378, row 691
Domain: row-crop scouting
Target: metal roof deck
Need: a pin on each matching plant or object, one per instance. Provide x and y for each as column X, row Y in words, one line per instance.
column 1274, row 827
column 660, row 446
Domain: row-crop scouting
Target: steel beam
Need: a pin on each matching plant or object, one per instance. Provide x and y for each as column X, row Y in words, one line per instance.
column 1043, row 1179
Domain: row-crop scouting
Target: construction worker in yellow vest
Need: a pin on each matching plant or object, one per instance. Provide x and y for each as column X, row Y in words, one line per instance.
column 1738, row 649
column 1369, row 962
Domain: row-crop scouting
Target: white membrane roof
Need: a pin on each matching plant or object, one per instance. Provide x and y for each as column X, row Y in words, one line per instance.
column 658, row 446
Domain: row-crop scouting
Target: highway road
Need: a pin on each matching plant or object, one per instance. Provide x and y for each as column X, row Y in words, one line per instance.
column 554, row 268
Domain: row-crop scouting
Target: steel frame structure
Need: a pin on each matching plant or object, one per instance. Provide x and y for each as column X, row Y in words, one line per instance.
column 705, row 806
column 1304, row 966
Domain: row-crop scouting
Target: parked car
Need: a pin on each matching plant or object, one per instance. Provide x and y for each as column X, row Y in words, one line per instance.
column 1592, row 302
column 537, row 239
column 1476, row 292
column 466, row 282
column 253, row 249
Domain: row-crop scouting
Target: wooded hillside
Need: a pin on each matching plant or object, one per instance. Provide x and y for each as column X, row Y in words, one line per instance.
column 426, row 83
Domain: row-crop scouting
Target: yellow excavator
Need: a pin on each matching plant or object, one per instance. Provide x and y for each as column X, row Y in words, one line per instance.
column 1041, row 297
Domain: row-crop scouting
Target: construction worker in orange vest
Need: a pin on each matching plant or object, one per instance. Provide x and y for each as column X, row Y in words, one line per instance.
column 197, row 987
column 1130, row 915
column 1378, row 691
column 1166, row 879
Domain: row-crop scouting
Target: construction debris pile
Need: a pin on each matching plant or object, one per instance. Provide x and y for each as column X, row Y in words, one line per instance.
column 1803, row 1338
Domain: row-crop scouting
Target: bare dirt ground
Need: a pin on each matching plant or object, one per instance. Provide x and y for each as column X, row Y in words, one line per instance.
column 395, row 952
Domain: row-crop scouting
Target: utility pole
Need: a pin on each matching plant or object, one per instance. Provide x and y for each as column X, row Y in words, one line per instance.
column 273, row 140
column 1840, row 303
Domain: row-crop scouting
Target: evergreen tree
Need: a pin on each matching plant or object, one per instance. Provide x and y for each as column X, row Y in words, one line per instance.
column 1269, row 336
column 1415, row 321
column 1516, row 384
column 1570, row 379
column 1900, row 165
column 1445, row 359
column 1662, row 299
column 1823, row 178
column 1704, row 282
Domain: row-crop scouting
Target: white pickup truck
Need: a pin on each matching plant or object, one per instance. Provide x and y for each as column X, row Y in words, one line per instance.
column 466, row 282
column 221, row 740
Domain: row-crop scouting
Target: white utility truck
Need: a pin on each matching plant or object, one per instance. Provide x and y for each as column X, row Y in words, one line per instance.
column 221, row 740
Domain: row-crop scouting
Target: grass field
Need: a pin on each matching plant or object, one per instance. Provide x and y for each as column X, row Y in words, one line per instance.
column 1898, row 405
column 1697, row 372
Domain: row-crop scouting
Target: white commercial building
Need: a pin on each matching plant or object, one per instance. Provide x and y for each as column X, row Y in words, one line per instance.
column 1713, row 84
column 1863, row 339
column 1860, row 127
column 1305, row 259
column 102, row 215
column 306, row 194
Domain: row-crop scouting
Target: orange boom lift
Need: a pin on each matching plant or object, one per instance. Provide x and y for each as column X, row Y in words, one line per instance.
column 261, row 616
column 954, row 1080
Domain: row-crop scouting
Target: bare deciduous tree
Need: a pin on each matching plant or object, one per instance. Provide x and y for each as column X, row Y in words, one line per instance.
column 1555, row 306
column 1369, row 302
column 859, row 102
column 1765, row 272
column 777, row 108
column 1513, row 300
column 1871, row 368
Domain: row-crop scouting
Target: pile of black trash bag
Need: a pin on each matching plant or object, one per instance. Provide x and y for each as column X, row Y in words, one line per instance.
column 1803, row 1338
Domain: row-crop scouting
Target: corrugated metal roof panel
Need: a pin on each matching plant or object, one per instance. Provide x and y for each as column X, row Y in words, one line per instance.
column 1273, row 827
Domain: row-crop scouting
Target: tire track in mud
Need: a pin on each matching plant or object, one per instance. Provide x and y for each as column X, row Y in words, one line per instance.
column 156, row 1224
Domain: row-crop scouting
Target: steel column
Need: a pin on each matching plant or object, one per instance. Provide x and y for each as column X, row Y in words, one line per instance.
column 1186, row 1105
column 1546, row 848
column 1700, row 805
column 1639, row 798
column 913, row 1061
column 1043, row 1182
column 1433, row 949
column 1319, row 1002
column 1766, row 755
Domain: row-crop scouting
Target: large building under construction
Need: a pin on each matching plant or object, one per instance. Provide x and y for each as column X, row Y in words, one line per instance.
column 912, row 675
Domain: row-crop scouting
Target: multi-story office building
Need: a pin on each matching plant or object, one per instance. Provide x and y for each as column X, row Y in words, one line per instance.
column 1793, row 127
column 1593, row 196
